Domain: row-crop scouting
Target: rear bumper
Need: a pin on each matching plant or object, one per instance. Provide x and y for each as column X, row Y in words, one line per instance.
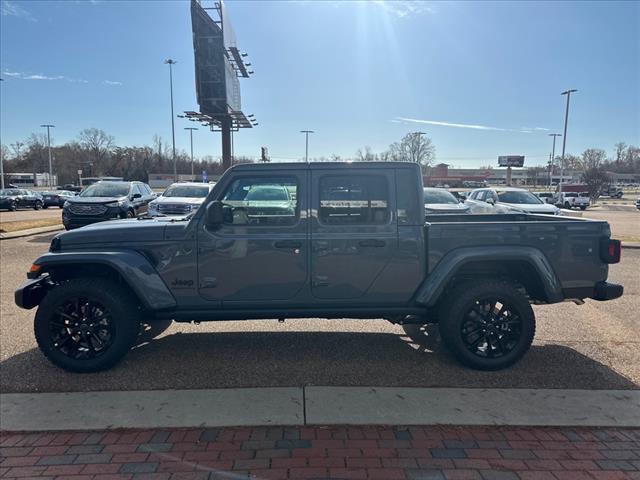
column 607, row 291
column 31, row 292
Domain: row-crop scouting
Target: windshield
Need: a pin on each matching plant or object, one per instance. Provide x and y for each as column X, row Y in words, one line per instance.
column 438, row 196
column 190, row 191
column 106, row 190
column 267, row 194
column 516, row 196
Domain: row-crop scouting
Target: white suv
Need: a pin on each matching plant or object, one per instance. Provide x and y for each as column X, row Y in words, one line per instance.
column 512, row 198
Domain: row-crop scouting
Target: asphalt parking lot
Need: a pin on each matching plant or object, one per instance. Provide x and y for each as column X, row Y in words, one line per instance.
column 595, row 345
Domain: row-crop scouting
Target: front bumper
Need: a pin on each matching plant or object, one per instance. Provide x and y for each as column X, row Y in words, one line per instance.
column 70, row 220
column 607, row 291
column 31, row 292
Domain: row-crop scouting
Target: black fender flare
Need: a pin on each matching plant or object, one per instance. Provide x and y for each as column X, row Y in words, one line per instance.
column 433, row 287
column 134, row 268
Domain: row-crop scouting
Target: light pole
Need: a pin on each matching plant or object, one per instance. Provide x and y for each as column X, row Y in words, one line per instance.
column 49, row 127
column 564, row 138
column 191, row 129
column 171, row 63
column 553, row 154
column 306, row 148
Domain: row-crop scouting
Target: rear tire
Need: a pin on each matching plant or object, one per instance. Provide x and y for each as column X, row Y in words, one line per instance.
column 567, row 205
column 87, row 324
column 45, row 206
column 37, row 205
column 13, row 206
column 487, row 324
column 583, row 208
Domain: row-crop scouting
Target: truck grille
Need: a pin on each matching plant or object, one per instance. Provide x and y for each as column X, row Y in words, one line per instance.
column 88, row 209
column 174, row 208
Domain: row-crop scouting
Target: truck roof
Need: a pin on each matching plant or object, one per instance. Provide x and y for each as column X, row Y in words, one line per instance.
column 323, row 165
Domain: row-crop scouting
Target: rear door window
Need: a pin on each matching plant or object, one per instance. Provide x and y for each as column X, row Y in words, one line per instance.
column 349, row 200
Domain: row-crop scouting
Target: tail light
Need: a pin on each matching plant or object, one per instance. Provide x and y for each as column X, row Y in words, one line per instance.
column 610, row 250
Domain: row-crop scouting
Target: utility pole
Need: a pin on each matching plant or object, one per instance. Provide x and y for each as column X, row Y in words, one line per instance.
column 306, row 149
column 191, row 129
column 49, row 127
column 171, row 63
column 564, row 138
column 553, row 154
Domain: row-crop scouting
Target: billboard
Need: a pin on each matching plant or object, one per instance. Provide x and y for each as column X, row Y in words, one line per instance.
column 511, row 161
column 217, row 85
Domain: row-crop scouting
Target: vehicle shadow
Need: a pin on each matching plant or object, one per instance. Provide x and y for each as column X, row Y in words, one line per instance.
column 260, row 359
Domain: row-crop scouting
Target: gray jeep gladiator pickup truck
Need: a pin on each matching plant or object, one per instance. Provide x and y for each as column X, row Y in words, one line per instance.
column 330, row 240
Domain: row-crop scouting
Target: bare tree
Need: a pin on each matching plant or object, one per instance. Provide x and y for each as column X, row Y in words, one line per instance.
column 621, row 150
column 366, row 156
column 415, row 148
column 98, row 144
column 596, row 179
column 17, row 147
column 593, row 158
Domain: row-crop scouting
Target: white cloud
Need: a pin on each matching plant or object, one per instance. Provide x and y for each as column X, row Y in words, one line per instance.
column 112, row 83
column 465, row 125
column 12, row 9
column 39, row 76
column 404, row 8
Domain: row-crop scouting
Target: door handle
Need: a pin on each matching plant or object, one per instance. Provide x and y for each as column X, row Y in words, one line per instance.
column 372, row 243
column 288, row 244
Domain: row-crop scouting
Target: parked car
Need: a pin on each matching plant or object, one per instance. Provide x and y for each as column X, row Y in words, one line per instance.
column 14, row 198
column 438, row 201
column 106, row 200
column 56, row 198
column 571, row 200
column 70, row 187
column 353, row 243
column 180, row 199
column 546, row 197
column 638, row 203
column 612, row 191
column 512, row 197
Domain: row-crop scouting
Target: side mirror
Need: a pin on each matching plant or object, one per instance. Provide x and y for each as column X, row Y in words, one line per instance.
column 135, row 195
column 490, row 201
column 215, row 214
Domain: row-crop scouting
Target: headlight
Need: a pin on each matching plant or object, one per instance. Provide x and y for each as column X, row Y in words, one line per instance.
column 194, row 206
column 67, row 204
column 114, row 204
column 153, row 206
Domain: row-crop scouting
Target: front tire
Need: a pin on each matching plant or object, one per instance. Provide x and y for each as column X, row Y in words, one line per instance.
column 583, row 208
column 487, row 324
column 567, row 205
column 37, row 205
column 87, row 324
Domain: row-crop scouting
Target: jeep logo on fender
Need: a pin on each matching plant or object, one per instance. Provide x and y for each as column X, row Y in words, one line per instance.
column 182, row 283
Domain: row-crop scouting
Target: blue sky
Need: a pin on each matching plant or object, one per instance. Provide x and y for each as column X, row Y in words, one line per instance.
column 482, row 79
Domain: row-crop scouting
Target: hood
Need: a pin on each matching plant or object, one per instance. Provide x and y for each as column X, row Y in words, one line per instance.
column 446, row 207
column 189, row 200
column 94, row 200
column 129, row 231
column 533, row 208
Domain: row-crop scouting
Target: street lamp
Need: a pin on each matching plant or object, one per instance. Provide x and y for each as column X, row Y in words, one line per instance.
column 306, row 149
column 191, row 129
column 564, row 138
column 171, row 63
column 49, row 127
column 553, row 154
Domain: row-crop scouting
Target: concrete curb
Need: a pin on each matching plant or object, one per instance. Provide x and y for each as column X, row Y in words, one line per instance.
column 318, row 406
column 30, row 231
column 630, row 245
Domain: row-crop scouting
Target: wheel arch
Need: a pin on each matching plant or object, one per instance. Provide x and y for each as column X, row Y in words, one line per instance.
column 527, row 266
column 129, row 268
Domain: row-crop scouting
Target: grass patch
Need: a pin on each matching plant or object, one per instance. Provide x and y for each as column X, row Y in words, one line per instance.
column 17, row 225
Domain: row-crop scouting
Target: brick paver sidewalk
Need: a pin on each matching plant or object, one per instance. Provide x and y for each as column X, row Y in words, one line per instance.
column 485, row 453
